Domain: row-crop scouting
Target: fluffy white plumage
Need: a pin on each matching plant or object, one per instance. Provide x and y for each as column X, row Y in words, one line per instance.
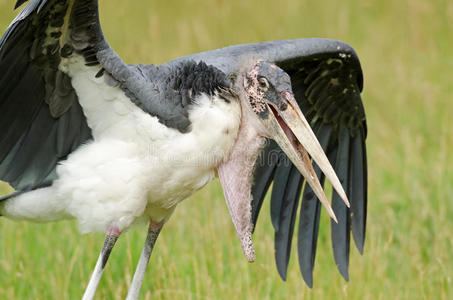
column 135, row 165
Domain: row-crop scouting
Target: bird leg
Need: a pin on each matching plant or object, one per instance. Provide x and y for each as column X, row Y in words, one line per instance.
column 153, row 233
column 110, row 239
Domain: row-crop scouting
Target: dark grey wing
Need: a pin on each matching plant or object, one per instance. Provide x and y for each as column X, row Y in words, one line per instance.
column 327, row 80
column 41, row 119
column 327, row 87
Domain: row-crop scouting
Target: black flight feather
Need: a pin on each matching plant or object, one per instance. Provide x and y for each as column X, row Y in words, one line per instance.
column 282, row 175
column 309, row 215
column 288, row 212
column 357, row 186
column 341, row 231
column 265, row 167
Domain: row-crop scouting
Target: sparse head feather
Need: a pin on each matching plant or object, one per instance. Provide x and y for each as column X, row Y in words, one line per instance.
column 265, row 81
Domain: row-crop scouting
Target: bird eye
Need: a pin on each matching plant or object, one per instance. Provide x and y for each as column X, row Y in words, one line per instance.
column 263, row 83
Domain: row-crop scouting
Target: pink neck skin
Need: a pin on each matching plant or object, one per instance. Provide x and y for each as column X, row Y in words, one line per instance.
column 235, row 175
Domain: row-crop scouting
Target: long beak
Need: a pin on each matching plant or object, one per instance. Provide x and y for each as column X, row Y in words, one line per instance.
column 293, row 134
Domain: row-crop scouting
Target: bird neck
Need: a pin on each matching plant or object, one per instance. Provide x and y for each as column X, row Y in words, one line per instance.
column 235, row 175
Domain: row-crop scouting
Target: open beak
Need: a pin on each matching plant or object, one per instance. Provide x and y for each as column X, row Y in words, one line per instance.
column 293, row 134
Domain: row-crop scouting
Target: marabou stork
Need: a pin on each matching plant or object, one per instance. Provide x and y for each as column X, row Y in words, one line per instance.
column 84, row 135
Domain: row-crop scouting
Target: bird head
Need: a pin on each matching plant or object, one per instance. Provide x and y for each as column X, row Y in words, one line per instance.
column 269, row 110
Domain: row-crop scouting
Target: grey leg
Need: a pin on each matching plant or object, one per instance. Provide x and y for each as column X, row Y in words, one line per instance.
column 153, row 233
column 110, row 239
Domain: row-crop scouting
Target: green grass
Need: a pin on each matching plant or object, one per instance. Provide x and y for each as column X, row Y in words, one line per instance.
column 406, row 50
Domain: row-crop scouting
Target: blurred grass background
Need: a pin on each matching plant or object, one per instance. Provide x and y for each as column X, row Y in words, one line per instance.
column 406, row 50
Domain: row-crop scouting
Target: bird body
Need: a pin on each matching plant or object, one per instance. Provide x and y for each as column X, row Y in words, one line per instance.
column 134, row 166
column 84, row 135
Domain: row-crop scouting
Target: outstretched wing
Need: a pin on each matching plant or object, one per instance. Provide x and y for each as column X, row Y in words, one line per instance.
column 327, row 80
column 327, row 88
column 42, row 120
